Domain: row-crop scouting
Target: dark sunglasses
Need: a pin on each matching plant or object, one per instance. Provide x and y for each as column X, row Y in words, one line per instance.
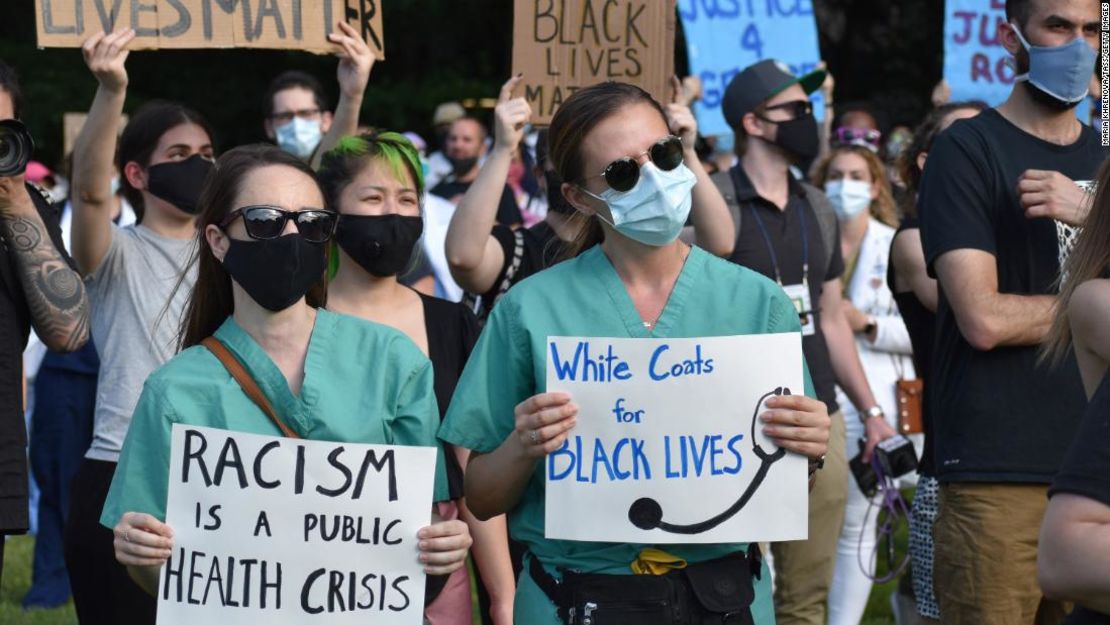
column 797, row 108
column 623, row 173
column 268, row 222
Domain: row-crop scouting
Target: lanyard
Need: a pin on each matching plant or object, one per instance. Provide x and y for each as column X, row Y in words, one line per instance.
column 771, row 248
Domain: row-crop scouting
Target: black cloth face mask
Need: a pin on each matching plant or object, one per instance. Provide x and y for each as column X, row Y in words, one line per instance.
column 276, row 272
column 798, row 137
column 179, row 182
column 380, row 244
column 462, row 166
column 556, row 203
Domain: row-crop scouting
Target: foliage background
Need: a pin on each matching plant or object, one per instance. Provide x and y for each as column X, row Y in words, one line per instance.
column 888, row 52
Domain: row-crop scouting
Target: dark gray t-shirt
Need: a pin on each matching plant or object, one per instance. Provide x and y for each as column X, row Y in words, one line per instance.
column 134, row 329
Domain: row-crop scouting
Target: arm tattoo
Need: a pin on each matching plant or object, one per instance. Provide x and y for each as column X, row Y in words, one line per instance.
column 55, row 293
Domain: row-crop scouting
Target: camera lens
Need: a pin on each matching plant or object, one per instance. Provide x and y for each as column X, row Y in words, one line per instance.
column 16, row 146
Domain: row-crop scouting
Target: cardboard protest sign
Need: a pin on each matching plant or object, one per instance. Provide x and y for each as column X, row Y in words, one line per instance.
column 278, row 531
column 668, row 447
column 562, row 45
column 280, row 24
column 976, row 65
column 722, row 38
column 72, row 123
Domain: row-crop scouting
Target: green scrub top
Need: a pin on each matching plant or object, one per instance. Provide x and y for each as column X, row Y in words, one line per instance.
column 364, row 383
column 585, row 297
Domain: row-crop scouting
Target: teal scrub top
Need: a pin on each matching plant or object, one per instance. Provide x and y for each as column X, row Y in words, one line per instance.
column 364, row 383
column 584, row 296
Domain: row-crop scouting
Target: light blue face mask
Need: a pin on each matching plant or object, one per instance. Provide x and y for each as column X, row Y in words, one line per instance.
column 654, row 211
column 299, row 137
column 1062, row 72
column 848, row 197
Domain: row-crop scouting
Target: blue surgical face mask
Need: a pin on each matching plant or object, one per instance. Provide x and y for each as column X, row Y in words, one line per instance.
column 1062, row 72
column 654, row 211
column 299, row 137
column 848, row 197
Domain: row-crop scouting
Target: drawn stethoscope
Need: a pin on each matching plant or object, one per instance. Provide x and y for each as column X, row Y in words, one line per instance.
column 646, row 513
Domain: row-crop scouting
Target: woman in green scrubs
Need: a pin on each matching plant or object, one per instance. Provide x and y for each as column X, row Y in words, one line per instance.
column 632, row 279
column 262, row 255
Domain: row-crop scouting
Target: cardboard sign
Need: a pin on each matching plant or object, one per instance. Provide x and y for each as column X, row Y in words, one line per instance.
column 72, row 123
column 282, row 531
column 665, row 450
column 563, row 45
column 722, row 38
column 280, row 24
column 976, row 65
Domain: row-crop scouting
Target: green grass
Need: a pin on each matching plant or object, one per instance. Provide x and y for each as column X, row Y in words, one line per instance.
column 16, row 580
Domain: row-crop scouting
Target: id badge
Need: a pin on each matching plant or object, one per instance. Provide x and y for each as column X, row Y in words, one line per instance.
column 799, row 295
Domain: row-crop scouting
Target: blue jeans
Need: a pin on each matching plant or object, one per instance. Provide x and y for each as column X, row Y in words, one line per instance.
column 61, row 431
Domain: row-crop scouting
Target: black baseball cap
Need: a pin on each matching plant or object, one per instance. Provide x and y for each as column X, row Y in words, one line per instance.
column 760, row 82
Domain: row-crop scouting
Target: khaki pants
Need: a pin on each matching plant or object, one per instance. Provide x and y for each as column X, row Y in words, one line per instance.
column 985, row 568
column 804, row 568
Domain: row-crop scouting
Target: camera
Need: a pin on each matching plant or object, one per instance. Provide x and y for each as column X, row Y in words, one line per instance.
column 16, row 146
column 896, row 457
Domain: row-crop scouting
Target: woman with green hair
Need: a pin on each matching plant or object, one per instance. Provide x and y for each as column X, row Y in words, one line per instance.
column 376, row 184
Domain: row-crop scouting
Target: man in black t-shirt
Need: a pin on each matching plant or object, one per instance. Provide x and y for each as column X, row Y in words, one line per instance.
column 789, row 233
column 989, row 201
column 38, row 288
column 466, row 145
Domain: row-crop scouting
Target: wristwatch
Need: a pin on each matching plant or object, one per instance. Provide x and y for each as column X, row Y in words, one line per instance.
column 871, row 413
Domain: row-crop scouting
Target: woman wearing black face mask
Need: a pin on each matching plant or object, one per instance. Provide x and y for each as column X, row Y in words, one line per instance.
column 375, row 182
column 163, row 159
column 486, row 259
column 261, row 258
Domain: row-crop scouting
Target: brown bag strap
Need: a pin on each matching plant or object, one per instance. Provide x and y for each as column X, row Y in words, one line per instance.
column 249, row 386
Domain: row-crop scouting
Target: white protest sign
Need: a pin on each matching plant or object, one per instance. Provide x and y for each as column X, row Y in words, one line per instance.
column 665, row 450
column 282, row 531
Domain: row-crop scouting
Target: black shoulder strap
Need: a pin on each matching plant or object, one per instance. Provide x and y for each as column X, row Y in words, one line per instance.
column 727, row 187
column 826, row 217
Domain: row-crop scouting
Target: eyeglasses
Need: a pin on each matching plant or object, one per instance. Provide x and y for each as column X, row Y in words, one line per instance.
column 862, row 137
column 268, row 222
column 287, row 116
column 623, row 173
column 797, row 108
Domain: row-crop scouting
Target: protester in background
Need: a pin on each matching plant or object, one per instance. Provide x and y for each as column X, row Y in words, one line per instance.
column 296, row 109
column 164, row 157
column 39, row 289
column 262, row 256
column 629, row 277
column 789, row 233
column 466, row 148
column 439, row 167
column 916, row 295
column 1074, row 552
column 990, row 182
column 487, row 258
column 375, row 182
column 854, row 180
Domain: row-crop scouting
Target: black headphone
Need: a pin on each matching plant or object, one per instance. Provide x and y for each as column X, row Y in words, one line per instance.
column 646, row 513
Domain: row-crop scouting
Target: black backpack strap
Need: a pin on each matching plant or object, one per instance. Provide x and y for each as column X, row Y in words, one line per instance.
column 826, row 218
column 548, row 584
column 727, row 188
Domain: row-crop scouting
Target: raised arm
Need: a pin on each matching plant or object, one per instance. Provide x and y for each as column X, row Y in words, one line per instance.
column 95, row 149
column 54, row 292
column 475, row 256
column 987, row 318
column 355, row 62
column 713, row 227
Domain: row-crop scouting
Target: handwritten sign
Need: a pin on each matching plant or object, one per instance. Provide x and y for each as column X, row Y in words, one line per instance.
column 281, row 531
column 665, row 450
column 725, row 36
column 976, row 66
column 280, row 24
column 562, row 45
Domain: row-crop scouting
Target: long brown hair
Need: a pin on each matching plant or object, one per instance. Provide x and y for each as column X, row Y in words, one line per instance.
column 922, row 142
column 1089, row 259
column 210, row 302
column 576, row 117
column 883, row 207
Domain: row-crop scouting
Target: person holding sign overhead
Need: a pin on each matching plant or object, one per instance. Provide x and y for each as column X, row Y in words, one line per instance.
column 163, row 157
column 483, row 254
column 629, row 276
column 261, row 257
column 376, row 184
